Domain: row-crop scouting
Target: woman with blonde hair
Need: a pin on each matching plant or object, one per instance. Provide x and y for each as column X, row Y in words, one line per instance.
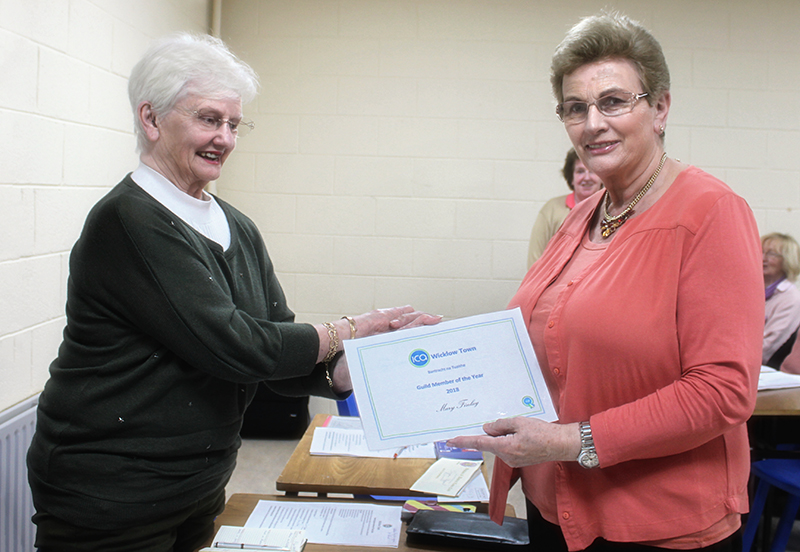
column 781, row 264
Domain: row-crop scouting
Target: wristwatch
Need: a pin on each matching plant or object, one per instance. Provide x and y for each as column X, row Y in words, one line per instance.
column 588, row 456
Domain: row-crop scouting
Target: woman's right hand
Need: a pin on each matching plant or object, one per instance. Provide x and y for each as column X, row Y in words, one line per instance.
column 370, row 323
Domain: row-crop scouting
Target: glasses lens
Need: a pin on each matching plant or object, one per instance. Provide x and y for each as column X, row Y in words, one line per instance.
column 244, row 128
column 615, row 104
column 573, row 111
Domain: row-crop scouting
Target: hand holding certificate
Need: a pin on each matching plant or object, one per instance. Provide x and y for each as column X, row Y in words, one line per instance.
column 435, row 382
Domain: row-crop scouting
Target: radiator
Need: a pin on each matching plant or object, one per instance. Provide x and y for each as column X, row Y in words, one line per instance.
column 17, row 531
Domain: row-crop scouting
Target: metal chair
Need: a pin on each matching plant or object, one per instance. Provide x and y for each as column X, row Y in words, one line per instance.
column 783, row 473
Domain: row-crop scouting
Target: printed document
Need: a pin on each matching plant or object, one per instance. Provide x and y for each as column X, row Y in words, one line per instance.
column 432, row 383
column 353, row 524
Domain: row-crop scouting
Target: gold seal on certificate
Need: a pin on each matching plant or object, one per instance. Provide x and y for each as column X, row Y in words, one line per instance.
column 435, row 382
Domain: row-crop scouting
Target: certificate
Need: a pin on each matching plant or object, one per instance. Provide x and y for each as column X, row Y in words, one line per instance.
column 436, row 382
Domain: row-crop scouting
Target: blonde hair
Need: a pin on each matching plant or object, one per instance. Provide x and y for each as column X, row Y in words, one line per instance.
column 611, row 35
column 788, row 249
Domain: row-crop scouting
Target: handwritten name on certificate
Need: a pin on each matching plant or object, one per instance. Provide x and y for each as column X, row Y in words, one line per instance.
column 436, row 382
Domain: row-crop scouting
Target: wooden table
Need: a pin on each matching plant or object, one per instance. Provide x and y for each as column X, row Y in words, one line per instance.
column 240, row 506
column 344, row 474
column 778, row 402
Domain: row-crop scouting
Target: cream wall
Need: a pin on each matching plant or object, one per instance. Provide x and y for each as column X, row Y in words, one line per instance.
column 66, row 138
column 404, row 147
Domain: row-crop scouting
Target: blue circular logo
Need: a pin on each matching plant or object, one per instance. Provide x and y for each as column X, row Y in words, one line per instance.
column 419, row 357
column 528, row 401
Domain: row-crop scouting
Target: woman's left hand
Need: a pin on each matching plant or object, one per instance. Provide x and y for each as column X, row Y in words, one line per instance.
column 525, row 441
column 388, row 320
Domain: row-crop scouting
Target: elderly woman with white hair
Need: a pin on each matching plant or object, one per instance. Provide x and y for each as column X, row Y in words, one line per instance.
column 174, row 316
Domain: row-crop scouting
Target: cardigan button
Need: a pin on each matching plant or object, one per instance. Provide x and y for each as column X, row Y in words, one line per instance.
column 556, row 371
column 570, row 283
column 565, row 515
column 551, row 324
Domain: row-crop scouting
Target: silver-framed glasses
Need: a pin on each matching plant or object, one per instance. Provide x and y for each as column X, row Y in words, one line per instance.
column 611, row 105
column 211, row 122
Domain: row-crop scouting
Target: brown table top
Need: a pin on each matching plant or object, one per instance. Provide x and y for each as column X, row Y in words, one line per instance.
column 778, row 402
column 349, row 475
column 241, row 505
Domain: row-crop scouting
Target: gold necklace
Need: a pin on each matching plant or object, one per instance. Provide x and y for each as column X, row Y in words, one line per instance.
column 609, row 224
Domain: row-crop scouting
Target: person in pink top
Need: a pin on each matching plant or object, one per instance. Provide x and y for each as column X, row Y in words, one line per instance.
column 646, row 314
column 781, row 263
column 583, row 183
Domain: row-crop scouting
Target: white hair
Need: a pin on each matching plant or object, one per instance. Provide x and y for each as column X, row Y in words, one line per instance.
column 185, row 63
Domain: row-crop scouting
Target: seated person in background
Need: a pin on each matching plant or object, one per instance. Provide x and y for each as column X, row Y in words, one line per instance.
column 791, row 364
column 781, row 263
column 583, row 183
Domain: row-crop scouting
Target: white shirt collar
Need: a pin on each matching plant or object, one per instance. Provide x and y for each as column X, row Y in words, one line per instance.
column 204, row 215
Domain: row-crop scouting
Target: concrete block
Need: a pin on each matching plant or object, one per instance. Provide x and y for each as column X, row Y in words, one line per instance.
column 301, row 253
column 418, row 137
column 459, row 259
column 327, row 56
column 42, row 21
column 271, row 213
column 18, row 63
column 336, row 216
column 371, row 256
column 457, row 178
column 384, row 96
column 64, row 86
column 90, row 35
column 415, row 218
column 60, row 215
column 16, row 224
column 497, row 139
column 369, row 19
column 38, row 146
column 301, row 18
column 84, row 166
column 432, row 295
column 354, row 294
column 493, row 220
column 374, row 176
column 421, row 58
column 295, row 174
column 346, row 135
column 306, row 94
column 729, row 147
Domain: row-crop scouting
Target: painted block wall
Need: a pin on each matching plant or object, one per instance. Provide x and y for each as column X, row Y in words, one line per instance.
column 66, row 136
column 404, row 147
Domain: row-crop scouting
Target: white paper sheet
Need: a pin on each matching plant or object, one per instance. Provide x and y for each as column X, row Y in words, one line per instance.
column 770, row 378
column 356, row 524
column 447, row 476
column 436, row 382
column 332, row 441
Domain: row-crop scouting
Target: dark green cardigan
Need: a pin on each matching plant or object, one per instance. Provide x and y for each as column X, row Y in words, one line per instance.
column 167, row 337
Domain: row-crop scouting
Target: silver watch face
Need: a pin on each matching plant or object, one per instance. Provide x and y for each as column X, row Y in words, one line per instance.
column 588, row 459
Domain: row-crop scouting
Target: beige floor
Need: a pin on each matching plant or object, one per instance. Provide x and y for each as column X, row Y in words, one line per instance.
column 261, row 461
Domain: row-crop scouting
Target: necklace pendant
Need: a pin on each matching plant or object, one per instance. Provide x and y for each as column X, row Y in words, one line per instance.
column 608, row 227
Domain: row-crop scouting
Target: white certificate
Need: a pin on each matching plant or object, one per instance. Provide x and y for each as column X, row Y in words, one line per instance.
column 436, row 382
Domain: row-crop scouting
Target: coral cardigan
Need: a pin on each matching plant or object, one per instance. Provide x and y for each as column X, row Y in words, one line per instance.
column 658, row 345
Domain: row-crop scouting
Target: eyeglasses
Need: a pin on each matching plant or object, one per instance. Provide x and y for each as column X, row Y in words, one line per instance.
column 772, row 254
column 211, row 122
column 610, row 105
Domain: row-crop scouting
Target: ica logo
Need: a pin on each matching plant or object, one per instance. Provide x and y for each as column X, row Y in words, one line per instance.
column 419, row 357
